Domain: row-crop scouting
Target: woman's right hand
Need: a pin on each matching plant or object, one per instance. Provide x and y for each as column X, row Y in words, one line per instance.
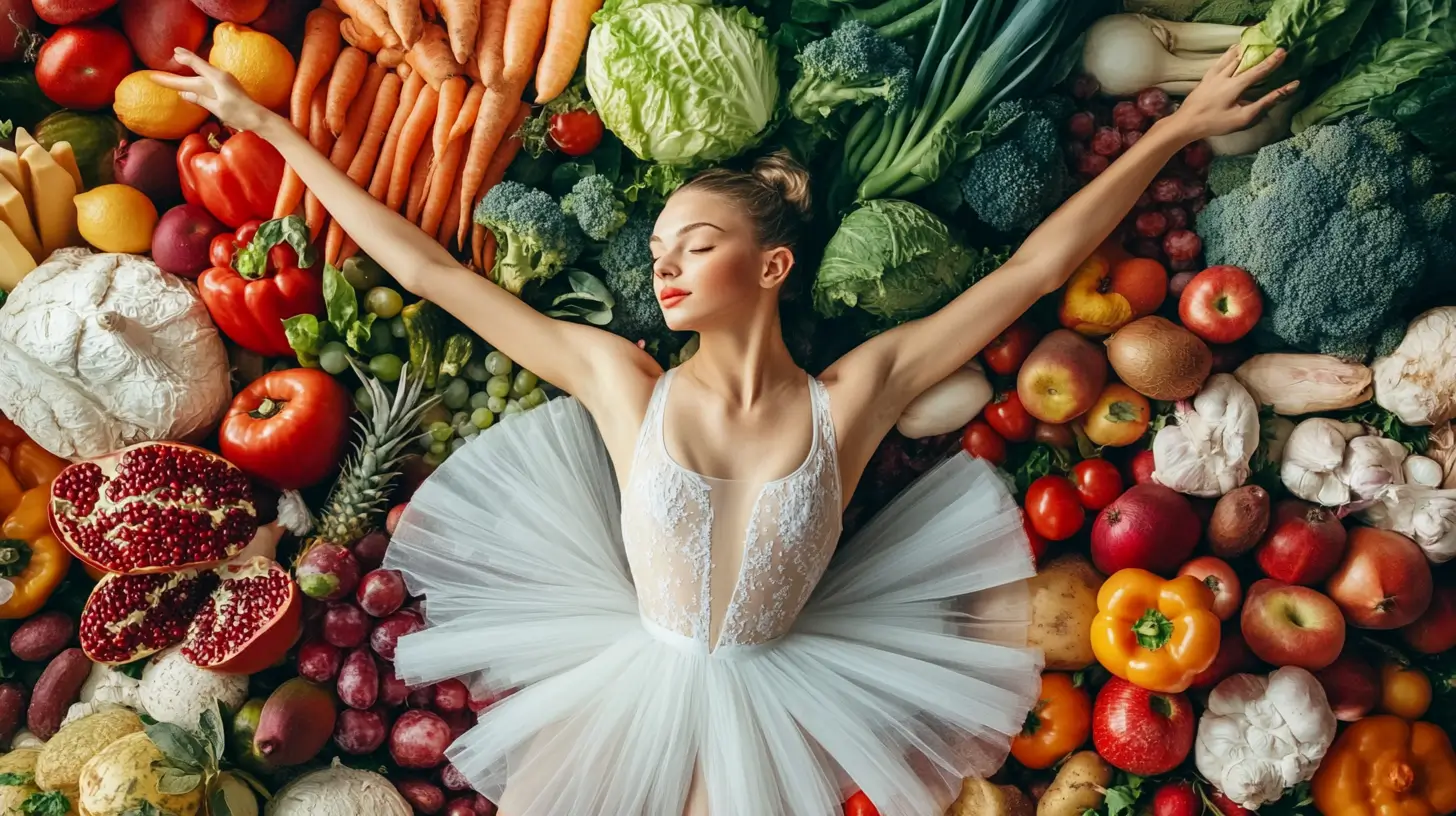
column 217, row 91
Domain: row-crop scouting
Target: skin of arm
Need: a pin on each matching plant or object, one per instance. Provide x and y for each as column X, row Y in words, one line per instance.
column 876, row 381
column 590, row 363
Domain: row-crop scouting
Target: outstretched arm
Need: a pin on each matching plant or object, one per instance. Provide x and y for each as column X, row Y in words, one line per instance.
column 583, row 360
column 884, row 374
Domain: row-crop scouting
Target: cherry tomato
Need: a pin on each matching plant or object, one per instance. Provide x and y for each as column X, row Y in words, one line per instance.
column 1141, row 467
column 981, row 441
column 220, row 251
column 1007, row 352
column 1098, row 482
column 1055, row 508
column 1009, row 418
column 860, row 805
column 577, row 132
column 1038, row 544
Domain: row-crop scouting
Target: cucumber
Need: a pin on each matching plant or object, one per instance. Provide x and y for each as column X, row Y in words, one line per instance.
column 21, row 102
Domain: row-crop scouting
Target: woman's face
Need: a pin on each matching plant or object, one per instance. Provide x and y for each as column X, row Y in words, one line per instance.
column 708, row 267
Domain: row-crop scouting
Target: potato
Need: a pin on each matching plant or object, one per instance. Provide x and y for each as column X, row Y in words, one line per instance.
column 981, row 798
column 1080, row 786
column 1063, row 605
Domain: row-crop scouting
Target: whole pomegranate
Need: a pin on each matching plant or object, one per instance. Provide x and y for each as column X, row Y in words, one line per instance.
column 1149, row 527
column 327, row 572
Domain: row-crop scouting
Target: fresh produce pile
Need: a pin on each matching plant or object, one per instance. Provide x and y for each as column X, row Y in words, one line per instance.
column 1230, row 429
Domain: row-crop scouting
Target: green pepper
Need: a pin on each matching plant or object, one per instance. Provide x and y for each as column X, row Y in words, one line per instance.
column 422, row 327
column 457, row 354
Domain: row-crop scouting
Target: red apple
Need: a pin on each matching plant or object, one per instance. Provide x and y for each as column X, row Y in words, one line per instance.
column 1384, row 581
column 1221, row 304
column 1351, row 684
column 1435, row 631
column 1233, row 657
column 1177, row 799
column 1303, row 545
column 1062, row 377
column 1139, row 731
column 1289, row 625
column 1140, row 468
column 1220, row 577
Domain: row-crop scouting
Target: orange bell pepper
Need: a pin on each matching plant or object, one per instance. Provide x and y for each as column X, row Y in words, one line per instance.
column 1153, row 632
column 31, row 557
column 28, row 462
column 1385, row 766
column 1057, row 725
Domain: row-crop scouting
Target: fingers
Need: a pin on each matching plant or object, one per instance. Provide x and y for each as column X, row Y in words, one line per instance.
column 195, row 85
column 1228, row 61
column 1269, row 100
column 1261, row 71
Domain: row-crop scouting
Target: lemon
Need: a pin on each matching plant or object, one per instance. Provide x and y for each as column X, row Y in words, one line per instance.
column 148, row 109
column 116, row 218
column 261, row 64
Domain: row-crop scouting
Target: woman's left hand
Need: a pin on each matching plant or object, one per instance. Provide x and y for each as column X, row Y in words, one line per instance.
column 1216, row 105
column 216, row 90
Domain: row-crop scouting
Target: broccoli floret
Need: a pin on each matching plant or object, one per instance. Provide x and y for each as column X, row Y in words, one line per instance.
column 627, row 263
column 1341, row 226
column 1228, row 173
column 1021, row 176
column 853, row 65
column 593, row 200
column 534, row 238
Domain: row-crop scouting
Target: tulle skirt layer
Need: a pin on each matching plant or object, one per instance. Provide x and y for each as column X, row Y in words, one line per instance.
column 906, row 671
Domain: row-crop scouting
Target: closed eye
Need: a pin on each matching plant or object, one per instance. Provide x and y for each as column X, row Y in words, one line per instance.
column 701, row 250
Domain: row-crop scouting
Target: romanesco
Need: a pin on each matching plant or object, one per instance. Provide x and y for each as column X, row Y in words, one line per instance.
column 627, row 263
column 1021, row 176
column 1341, row 226
column 534, row 238
column 853, row 65
column 593, row 201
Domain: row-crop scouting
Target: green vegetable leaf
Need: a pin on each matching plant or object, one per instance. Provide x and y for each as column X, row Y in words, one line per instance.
column 304, row 335
column 1314, row 32
column 16, row 778
column 252, row 782
column 1044, row 459
column 180, row 749
column 1122, row 799
column 134, row 671
column 7, row 129
column 1396, row 63
column 341, row 301
column 49, row 803
column 1426, row 109
column 211, row 726
column 358, row 333
column 146, row 809
column 174, row 781
column 1153, row 630
column 1415, row 439
column 217, row 803
column 1120, row 411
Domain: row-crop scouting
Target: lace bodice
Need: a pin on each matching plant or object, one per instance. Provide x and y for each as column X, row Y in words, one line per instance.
column 728, row 562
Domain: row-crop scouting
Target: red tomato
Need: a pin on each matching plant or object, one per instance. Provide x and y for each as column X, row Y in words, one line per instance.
column 220, row 251
column 1141, row 466
column 1055, row 508
column 1008, row 351
column 288, row 428
column 981, row 441
column 859, row 805
column 80, row 66
column 1009, row 418
column 1038, row 543
column 577, row 132
column 1098, row 482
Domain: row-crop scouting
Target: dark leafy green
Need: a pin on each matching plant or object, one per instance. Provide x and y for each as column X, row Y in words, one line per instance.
column 1396, row 63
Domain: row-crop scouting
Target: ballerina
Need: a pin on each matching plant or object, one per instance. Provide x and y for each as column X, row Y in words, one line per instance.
column 701, row 641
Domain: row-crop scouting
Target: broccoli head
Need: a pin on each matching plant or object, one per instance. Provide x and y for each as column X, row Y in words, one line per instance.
column 593, row 201
column 626, row 262
column 853, row 65
column 1340, row 226
column 534, row 239
column 1020, row 176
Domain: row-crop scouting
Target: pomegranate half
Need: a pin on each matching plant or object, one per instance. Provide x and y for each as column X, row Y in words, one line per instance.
column 249, row 622
column 128, row 617
column 153, row 507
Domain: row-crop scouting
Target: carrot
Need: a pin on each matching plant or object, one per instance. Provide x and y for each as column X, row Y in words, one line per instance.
column 525, row 25
column 445, row 233
column 488, row 59
column 347, row 145
column 404, row 16
column 462, row 21
column 444, row 179
column 344, row 85
column 452, row 99
column 480, row 239
column 360, row 36
column 411, row 138
column 379, row 184
column 468, row 111
column 368, row 13
column 317, row 56
column 565, row 39
column 390, row 58
column 323, row 141
column 386, row 101
column 501, row 115
column 420, row 176
column 432, row 57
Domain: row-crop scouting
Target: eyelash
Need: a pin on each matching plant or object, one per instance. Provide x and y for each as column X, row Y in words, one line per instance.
column 701, row 250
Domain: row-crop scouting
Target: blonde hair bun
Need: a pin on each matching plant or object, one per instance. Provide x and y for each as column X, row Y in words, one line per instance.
column 782, row 172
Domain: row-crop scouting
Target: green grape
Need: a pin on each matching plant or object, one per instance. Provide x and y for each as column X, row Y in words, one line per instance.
column 433, row 459
column 536, row 398
column 498, row 386
column 482, row 418
column 396, row 328
column 362, row 273
column 459, row 418
column 475, row 371
column 439, row 448
column 363, row 401
column 497, row 364
column 380, row 340
column 441, row 431
column 496, row 404
column 456, row 444
column 334, row 358
column 386, row 367
column 435, row 413
column 468, row 430
column 479, row 400
column 524, row 382
column 457, row 394
column 383, row 301
column 512, row 407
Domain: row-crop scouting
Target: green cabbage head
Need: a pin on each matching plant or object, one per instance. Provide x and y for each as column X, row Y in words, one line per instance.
column 896, row 262
column 681, row 81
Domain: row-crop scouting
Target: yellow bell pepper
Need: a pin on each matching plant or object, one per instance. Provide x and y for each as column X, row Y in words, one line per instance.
column 31, row 557
column 1385, row 766
column 1153, row 632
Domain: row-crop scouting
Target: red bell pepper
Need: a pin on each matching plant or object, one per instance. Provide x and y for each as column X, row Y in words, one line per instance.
column 237, row 180
column 267, row 281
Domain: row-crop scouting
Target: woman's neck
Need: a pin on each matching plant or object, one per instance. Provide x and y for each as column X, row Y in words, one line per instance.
column 743, row 363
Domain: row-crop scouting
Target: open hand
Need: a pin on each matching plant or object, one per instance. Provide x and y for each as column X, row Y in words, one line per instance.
column 216, row 90
column 1216, row 105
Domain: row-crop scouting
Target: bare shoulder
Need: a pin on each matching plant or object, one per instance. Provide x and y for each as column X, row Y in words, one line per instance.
column 619, row 389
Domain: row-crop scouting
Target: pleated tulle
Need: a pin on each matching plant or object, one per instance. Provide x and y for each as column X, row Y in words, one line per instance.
column 906, row 671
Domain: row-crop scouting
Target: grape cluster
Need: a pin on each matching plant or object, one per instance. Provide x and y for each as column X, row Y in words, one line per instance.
column 491, row 389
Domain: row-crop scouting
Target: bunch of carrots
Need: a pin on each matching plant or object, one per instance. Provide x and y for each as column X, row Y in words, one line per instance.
column 420, row 102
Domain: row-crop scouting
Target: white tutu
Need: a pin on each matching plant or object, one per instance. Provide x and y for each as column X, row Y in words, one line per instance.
column 906, row 671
